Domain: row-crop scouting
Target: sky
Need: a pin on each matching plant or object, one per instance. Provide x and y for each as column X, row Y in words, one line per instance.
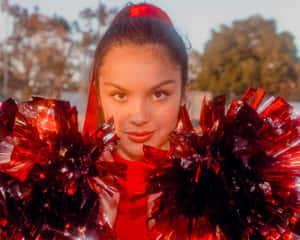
column 193, row 19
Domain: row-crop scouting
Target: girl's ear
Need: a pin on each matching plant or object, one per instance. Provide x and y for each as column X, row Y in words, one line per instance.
column 185, row 93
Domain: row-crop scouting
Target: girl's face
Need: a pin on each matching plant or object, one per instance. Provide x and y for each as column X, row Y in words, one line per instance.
column 140, row 87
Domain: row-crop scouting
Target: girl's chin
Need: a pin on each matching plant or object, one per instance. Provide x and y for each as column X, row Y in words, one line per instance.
column 131, row 152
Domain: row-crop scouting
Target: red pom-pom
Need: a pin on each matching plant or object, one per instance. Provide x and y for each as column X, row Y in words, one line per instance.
column 238, row 178
column 52, row 179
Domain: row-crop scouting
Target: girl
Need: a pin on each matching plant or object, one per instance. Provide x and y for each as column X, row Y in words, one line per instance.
column 140, row 80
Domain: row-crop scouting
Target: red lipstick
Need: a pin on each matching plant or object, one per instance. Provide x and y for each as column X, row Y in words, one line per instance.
column 139, row 136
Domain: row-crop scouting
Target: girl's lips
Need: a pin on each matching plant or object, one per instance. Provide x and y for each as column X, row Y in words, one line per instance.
column 139, row 136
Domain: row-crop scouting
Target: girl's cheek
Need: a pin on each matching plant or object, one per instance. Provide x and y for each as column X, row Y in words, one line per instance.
column 118, row 115
column 170, row 107
column 118, row 121
column 109, row 107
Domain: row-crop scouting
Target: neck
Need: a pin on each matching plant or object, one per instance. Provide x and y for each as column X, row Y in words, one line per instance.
column 128, row 156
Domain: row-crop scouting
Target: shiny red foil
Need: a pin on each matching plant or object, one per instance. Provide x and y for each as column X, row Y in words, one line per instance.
column 238, row 177
column 51, row 177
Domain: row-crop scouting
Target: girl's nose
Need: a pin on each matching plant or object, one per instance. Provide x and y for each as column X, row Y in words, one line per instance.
column 139, row 113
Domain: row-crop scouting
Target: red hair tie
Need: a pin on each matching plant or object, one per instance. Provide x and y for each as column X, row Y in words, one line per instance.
column 151, row 11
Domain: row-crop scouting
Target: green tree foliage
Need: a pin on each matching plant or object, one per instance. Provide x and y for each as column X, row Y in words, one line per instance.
column 249, row 53
column 48, row 54
column 194, row 64
column 39, row 48
column 90, row 26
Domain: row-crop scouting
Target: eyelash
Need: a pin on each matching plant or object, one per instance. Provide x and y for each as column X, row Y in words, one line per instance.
column 116, row 94
column 124, row 95
column 166, row 94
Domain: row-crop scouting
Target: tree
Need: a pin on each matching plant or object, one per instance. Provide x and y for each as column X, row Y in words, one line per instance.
column 90, row 26
column 249, row 53
column 39, row 48
column 194, row 64
column 47, row 54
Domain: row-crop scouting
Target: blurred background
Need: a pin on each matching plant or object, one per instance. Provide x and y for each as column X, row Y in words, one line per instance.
column 47, row 46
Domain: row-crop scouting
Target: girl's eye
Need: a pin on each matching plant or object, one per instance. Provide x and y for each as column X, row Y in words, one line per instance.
column 159, row 95
column 121, row 97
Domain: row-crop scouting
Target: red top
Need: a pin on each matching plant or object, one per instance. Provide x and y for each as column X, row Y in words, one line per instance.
column 132, row 213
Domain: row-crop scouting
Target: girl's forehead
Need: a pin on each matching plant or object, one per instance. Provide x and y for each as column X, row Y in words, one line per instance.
column 138, row 64
column 123, row 51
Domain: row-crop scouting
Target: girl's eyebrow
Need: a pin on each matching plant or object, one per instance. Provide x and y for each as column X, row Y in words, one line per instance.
column 154, row 87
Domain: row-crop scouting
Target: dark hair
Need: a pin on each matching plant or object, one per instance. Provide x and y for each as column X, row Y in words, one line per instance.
column 142, row 30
